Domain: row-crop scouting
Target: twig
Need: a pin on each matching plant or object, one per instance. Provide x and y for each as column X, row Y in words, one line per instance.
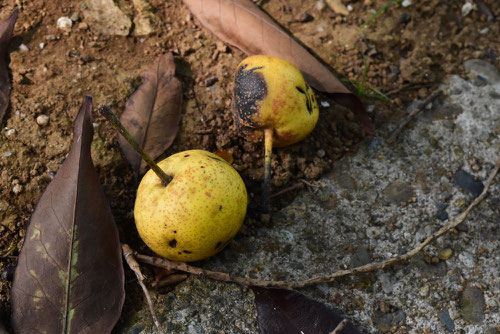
column 409, row 87
column 281, row 192
column 132, row 263
column 340, row 327
column 225, row 277
column 111, row 117
column 415, row 111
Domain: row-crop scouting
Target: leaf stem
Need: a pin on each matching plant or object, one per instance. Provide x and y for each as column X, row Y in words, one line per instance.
column 111, row 117
column 268, row 152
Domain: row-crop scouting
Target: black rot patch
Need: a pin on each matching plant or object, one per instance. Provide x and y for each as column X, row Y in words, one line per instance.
column 172, row 243
column 249, row 88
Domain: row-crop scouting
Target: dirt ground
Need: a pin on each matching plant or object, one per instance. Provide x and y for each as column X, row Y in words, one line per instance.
column 408, row 52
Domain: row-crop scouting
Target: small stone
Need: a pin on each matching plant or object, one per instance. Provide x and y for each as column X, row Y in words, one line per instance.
column 17, row 189
column 7, row 154
column 106, row 17
column 304, row 17
column 442, row 215
column 444, row 317
column 445, row 254
column 467, row 182
column 75, row 17
column 467, row 8
column 321, row 153
column 325, row 104
column 492, row 330
column 370, row 108
column 472, row 305
column 350, row 8
column 484, row 69
column 83, row 26
column 41, row 45
column 64, row 23
column 10, row 132
column 23, row 48
column 406, row 3
column 398, row 191
column 424, row 291
column 42, row 120
column 373, row 232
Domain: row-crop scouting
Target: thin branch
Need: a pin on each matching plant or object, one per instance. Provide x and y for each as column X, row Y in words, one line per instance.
column 375, row 266
column 415, row 111
column 132, row 263
column 340, row 327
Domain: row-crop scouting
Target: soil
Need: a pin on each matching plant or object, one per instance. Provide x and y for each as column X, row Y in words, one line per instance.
column 405, row 52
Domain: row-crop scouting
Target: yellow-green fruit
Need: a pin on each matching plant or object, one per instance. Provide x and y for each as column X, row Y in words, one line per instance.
column 197, row 213
column 271, row 93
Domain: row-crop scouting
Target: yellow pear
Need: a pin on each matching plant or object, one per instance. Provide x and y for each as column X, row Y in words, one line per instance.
column 197, row 213
column 271, row 95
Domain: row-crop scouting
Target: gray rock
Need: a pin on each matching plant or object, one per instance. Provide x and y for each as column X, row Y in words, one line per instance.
column 472, row 305
column 444, row 317
column 468, row 183
column 398, row 191
column 386, row 321
column 484, row 69
column 492, row 330
column 145, row 22
column 361, row 257
column 104, row 16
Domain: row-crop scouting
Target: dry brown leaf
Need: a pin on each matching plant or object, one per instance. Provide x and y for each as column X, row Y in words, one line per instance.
column 225, row 155
column 244, row 25
column 6, row 30
column 69, row 278
column 153, row 112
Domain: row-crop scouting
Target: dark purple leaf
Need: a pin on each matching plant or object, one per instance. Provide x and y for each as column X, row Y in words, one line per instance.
column 244, row 25
column 6, row 30
column 69, row 278
column 287, row 311
column 152, row 114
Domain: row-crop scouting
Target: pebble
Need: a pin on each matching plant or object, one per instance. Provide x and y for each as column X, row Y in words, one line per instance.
column 64, row 23
column 7, row 154
column 350, row 8
column 424, row 291
column 23, row 47
column 372, row 232
column 467, row 8
column 472, row 305
column 17, row 189
column 406, row 3
column 398, row 192
column 444, row 317
column 467, row 182
column 83, row 26
column 42, row 120
column 370, row 108
column 321, row 153
column 10, row 132
column 41, row 45
column 325, row 104
column 445, row 254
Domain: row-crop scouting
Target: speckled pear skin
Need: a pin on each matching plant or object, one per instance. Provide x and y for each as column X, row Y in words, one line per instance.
column 271, row 93
column 197, row 213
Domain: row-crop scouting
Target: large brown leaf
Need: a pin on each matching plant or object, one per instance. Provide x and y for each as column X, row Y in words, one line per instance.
column 244, row 25
column 6, row 30
column 153, row 112
column 287, row 311
column 69, row 278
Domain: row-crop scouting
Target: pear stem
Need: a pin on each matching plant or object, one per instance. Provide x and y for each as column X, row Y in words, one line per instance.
column 268, row 152
column 111, row 117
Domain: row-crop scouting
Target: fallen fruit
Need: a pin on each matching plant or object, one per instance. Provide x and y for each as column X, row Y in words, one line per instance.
column 271, row 95
column 197, row 213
